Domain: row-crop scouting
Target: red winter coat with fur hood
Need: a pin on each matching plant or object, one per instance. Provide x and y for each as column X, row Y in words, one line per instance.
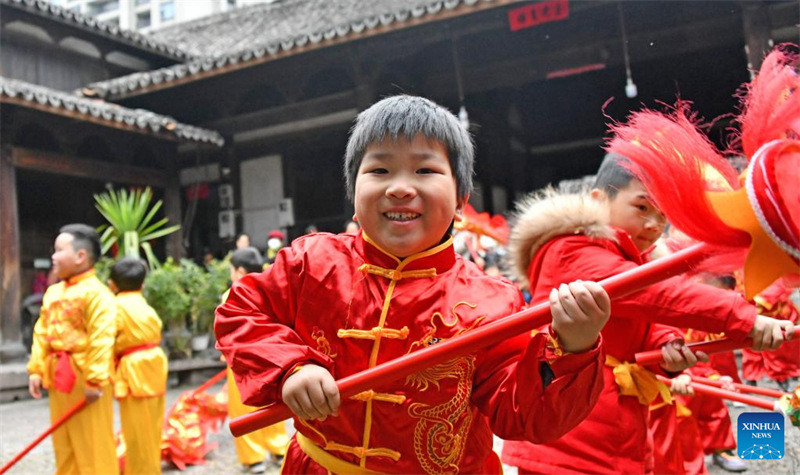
column 560, row 238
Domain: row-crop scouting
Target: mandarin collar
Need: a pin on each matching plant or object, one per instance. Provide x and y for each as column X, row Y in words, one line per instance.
column 440, row 257
column 80, row 277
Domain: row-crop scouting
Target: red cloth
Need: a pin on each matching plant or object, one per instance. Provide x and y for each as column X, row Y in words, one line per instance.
column 597, row 445
column 64, row 378
column 725, row 364
column 783, row 363
column 667, row 451
column 691, row 446
column 296, row 310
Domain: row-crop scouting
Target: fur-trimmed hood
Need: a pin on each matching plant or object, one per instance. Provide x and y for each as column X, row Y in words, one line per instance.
column 546, row 214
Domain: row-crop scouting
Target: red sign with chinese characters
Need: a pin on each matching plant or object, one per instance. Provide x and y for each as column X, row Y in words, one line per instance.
column 538, row 13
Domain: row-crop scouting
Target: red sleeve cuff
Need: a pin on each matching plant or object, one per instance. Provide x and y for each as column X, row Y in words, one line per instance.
column 563, row 363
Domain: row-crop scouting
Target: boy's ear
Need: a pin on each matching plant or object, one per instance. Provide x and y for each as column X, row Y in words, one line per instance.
column 462, row 202
column 112, row 286
column 82, row 257
column 598, row 194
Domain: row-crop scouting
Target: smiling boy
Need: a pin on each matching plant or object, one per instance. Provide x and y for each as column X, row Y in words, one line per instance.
column 333, row 305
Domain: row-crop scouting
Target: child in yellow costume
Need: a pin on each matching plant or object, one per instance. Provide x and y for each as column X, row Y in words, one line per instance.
column 73, row 353
column 140, row 380
column 252, row 448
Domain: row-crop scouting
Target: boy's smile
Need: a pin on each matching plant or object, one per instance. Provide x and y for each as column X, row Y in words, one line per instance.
column 405, row 194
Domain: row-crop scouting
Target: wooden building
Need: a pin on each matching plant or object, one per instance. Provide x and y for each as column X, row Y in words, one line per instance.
column 58, row 148
column 282, row 82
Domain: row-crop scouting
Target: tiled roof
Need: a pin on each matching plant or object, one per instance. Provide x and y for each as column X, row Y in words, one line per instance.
column 109, row 30
column 258, row 33
column 31, row 96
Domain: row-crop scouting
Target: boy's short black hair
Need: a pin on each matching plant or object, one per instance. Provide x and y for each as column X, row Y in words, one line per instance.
column 409, row 116
column 128, row 273
column 612, row 175
column 84, row 237
column 248, row 258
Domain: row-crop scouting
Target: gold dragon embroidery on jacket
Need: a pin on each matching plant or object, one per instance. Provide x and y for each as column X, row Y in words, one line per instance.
column 441, row 432
column 323, row 345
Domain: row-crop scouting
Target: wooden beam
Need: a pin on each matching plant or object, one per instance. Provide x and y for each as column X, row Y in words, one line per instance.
column 80, row 167
column 9, row 251
column 286, row 113
column 518, row 72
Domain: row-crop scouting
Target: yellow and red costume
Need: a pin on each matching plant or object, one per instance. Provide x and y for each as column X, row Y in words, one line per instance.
column 140, row 382
column 341, row 302
column 253, row 447
column 73, row 347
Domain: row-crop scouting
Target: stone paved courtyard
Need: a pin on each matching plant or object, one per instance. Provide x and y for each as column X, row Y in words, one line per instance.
column 22, row 421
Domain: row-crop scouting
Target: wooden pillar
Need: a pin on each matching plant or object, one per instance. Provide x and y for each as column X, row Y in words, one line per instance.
column 757, row 33
column 172, row 209
column 9, row 251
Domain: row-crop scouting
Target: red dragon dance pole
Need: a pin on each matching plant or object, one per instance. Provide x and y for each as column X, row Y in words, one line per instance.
column 730, row 395
column 742, row 388
column 721, row 345
column 64, row 418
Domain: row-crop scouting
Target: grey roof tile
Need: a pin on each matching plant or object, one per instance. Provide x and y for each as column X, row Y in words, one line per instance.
column 31, row 95
column 249, row 33
column 63, row 15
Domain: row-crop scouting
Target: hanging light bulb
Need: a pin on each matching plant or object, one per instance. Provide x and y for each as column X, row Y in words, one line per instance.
column 463, row 117
column 631, row 90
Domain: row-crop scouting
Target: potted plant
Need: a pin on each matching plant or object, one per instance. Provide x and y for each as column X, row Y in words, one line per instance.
column 130, row 222
column 165, row 292
column 206, row 295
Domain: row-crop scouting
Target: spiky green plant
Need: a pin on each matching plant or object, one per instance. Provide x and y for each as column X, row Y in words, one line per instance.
column 129, row 217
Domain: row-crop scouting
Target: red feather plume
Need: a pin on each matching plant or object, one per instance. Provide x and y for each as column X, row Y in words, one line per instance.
column 770, row 104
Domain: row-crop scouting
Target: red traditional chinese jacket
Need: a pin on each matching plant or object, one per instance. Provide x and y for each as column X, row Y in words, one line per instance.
column 341, row 302
column 561, row 238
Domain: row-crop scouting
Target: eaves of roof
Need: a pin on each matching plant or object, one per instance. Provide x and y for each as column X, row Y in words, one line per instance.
column 32, row 96
column 91, row 25
column 204, row 67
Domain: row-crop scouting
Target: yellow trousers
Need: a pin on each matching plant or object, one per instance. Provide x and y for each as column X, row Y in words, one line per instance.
column 252, row 448
column 84, row 445
column 142, row 423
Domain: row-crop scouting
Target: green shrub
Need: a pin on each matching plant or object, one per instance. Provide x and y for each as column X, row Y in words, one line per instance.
column 186, row 294
column 165, row 291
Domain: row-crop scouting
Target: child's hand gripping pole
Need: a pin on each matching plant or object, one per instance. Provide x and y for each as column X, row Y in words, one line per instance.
column 742, row 388
column 730, row 395
column 64, row 418
column 721, row 345
column 497, row 331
